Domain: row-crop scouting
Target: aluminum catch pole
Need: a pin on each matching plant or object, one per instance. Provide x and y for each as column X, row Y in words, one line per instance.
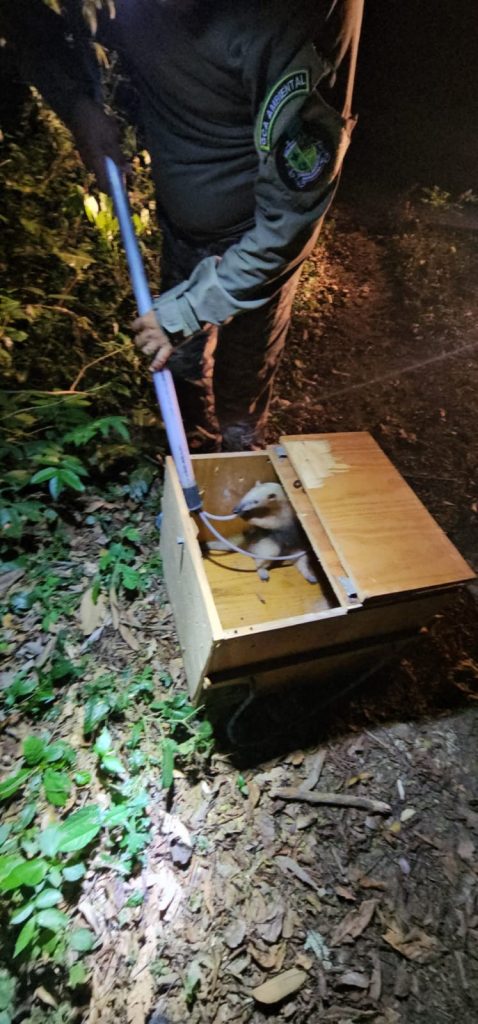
column 162, row 379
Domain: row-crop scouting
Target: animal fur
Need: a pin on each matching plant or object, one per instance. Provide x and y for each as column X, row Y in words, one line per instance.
column 274, row 532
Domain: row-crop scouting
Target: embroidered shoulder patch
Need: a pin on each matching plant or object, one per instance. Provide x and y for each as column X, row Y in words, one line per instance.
column 295, row 83
column 302, row 158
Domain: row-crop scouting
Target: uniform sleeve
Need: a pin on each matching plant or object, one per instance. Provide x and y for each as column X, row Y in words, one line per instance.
column 300, row 141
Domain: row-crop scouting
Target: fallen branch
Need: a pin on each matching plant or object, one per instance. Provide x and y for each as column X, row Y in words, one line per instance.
column 362, row 803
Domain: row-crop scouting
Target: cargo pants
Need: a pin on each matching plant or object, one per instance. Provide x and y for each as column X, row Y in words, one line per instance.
column 224, row 376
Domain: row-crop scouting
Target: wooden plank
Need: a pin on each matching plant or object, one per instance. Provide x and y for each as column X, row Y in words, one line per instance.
column 246, row 646
column 386, row 539
column 321, row 669
column 195, row 615
column 312, row 526
column 243, row 599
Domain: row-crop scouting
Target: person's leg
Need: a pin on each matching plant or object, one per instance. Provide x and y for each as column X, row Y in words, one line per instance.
column 246, row 360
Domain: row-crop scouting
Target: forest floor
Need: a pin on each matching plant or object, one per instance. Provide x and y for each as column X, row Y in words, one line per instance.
column 208, row 886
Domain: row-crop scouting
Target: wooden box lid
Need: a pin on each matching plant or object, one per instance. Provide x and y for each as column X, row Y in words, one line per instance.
column 370, row 521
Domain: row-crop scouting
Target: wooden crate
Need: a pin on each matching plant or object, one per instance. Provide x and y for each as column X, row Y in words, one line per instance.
column 386, row 565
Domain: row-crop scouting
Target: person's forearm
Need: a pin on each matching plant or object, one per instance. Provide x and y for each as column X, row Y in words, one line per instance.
column 246, row 277
column 291, row 200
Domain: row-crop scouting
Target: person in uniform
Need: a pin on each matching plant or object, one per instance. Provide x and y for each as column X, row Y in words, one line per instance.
column 246, row 150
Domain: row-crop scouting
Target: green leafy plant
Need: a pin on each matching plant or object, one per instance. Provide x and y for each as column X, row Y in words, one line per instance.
column 111, row 695
column 108, row 759
column 36, row 885
column 69, row 369
column 8, row 985
column 117, row 566
column 36, row 690
column 129, row 826
column 39, row 757
column 436, row 196
column 42, row 434
column 184, row 734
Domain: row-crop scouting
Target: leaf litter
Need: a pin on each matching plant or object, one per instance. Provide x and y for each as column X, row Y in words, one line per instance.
column 267, row 895
column 236, row 900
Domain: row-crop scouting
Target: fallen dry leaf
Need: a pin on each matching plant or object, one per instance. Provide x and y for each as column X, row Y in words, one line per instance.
column 92, row 614
column 345, row 892
column 254, row 794
column 128, row 637
column 271, row 929
column 290, row 923
column 140, row 998
column 238, row 966
column 372, row 883
column 375, row 989
column 415, row 945
column 466, row 849
column 354, row 979
column 288, row 864
column 97, row 503
column 270, row 959
column 354, row 923
column 114, row 608
column 46, row 653
column 7, row 579
column 361, row 777
column 166, row 891
column 266, row 827
column 90, row 915
column 314, row 764
column 235, row 933
column 276, row 989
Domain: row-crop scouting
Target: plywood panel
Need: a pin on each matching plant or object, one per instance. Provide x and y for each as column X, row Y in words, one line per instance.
column 324, row 669
column 385, row 538
column 242, row 648
column 243, row 599
column 310, row 522
column 196, row 618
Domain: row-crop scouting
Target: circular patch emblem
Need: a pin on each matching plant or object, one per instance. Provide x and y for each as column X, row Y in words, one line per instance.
column 302, row 159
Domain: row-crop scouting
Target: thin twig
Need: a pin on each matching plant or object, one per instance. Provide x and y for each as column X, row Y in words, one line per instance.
column 362, row 803
column 461, row 969
column 100, row 359
column 64, row 395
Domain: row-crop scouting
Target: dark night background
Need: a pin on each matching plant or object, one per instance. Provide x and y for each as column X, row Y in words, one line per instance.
column 417, row 95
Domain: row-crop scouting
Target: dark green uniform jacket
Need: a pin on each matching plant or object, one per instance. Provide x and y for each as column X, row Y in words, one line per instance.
column 241, row 142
